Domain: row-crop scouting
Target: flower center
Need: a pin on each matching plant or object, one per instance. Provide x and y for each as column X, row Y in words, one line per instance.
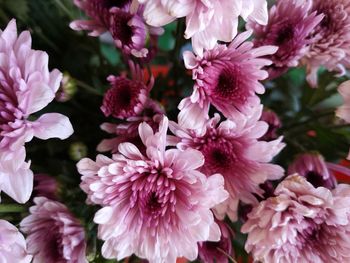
column 285, row 35
column 231, row 86
column 120, row 28
column 219, row 155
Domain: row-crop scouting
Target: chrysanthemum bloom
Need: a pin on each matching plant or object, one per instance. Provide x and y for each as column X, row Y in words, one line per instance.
column 160, row 197
column 98, row 11
column 332, row 46
column 128, row 131
column 53, row 233
column 122, row 20
column 211, row 252
column 274, row 122
column 301, row 224
column 289, row 27
column 13, row 246
column 344, row 110
column 313, row 167
column 206, row 21
column 26, row 86
column 127, row 97
column 227, row 77
column 45, row 185
column 233, row 149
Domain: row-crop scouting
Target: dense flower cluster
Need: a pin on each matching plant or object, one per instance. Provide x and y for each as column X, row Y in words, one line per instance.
column 248, row 145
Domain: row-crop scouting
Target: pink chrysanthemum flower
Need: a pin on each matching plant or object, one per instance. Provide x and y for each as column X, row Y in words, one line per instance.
column 233, row 149
column 26, row 86
column 227, row 77
column 301, row 224
column 313, row 167
column 211, row 252
column 160, row 196
column 206, row 21
column 53, row 233
column 98, row 11
column 332, row 46
column 274, row 122
column 13, row 247
column 123, row 20
column 128, row 131
column 289, row 27
column 127, row 97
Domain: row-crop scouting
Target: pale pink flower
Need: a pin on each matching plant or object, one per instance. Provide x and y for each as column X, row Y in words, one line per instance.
column 313, row 167
column 289, row 28
column 344, row 110
column 26, row 86
column 226, row 77
column 127, row 97
column 13, row 247
column 53, row 233
column 206, row 21
column 301, row 224
column 157, row 205
column 233, row 149
column 332, row 46
column 211, row 252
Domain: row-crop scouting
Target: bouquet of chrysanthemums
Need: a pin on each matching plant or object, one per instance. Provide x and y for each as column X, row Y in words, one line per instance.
column 168, row 131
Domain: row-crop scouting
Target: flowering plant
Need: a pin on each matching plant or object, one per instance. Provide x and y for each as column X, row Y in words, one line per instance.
column 169, row 131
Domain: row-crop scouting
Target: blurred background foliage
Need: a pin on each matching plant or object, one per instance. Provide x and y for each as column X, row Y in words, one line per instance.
column 307, row 114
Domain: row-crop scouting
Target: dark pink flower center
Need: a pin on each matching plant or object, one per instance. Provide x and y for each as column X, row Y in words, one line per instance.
column 122, row 97
column 230, row 84
column 285, row 34
column 120, row 28
column 219, row 155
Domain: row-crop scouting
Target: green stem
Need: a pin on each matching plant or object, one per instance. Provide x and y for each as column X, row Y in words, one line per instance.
column 87, row 87
column 65, row 9
column 12, row 208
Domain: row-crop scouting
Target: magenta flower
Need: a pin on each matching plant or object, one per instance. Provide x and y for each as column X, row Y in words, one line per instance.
column 210, row 252
column 26, row 86
column 332, row 46
column 127, row 97
column 271, row 118
column 227, row 77
column 233, row 149
column 53, row 233
column 98, row 11
column 160, row 196
column 301, row 224
column 206, row 21
column 313, row 167
column 13, row 247
column 124, row 22
column 289, row 28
